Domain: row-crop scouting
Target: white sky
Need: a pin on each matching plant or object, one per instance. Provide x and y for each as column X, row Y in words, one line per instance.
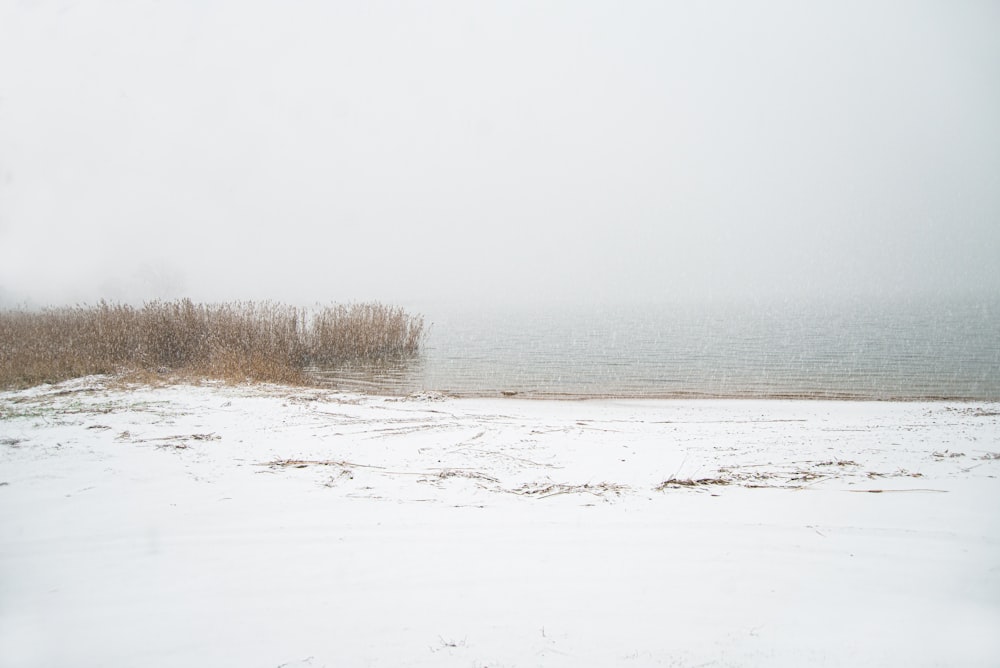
column 579, row 150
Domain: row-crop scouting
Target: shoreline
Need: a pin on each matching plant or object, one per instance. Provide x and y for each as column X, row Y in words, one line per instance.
column 706, row 396
column 374, row 389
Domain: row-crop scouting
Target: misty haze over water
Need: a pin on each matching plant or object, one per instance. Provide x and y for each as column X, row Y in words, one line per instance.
column 584, row 198
column 886, row 350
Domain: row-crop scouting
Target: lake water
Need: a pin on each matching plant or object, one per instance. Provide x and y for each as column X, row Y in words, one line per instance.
column 897, row 350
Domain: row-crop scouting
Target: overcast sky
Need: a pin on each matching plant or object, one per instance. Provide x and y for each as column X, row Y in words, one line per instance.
column 579, row 150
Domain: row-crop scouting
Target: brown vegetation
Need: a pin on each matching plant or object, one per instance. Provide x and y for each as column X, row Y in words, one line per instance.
column 674, row 483
column 237, row 341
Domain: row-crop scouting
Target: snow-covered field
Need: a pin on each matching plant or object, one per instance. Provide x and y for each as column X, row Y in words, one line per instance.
column 268, row 526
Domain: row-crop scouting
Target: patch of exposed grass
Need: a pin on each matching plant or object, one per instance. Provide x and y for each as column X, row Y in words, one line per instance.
column 544, row 490
column 675, row 483
column 260, row 341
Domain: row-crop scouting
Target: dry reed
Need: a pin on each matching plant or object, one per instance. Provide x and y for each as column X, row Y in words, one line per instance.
column 261, row 341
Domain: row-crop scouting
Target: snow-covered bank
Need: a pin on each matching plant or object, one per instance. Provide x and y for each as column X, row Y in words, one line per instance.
column 269, row 526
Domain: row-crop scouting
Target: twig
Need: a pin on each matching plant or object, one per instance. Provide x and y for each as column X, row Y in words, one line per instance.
column 883, row 491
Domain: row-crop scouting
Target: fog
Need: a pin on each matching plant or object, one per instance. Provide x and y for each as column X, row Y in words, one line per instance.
column 502, row 151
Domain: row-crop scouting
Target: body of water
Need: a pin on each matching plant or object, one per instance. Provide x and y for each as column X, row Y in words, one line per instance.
column 891, row 350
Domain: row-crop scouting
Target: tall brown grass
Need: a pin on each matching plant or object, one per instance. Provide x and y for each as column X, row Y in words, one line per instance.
column 261, row 341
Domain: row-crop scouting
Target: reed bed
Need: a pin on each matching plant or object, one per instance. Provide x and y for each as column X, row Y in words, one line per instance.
column 258, row 341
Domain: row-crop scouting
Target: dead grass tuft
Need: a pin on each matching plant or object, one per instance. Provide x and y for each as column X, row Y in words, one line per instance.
column 257, row 341
column 675, row 483
column 544, row 490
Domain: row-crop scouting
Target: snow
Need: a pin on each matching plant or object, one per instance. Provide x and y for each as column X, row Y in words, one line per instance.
column 271, row 526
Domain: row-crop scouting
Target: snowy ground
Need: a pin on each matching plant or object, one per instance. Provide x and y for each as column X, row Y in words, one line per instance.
column 268, row 526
